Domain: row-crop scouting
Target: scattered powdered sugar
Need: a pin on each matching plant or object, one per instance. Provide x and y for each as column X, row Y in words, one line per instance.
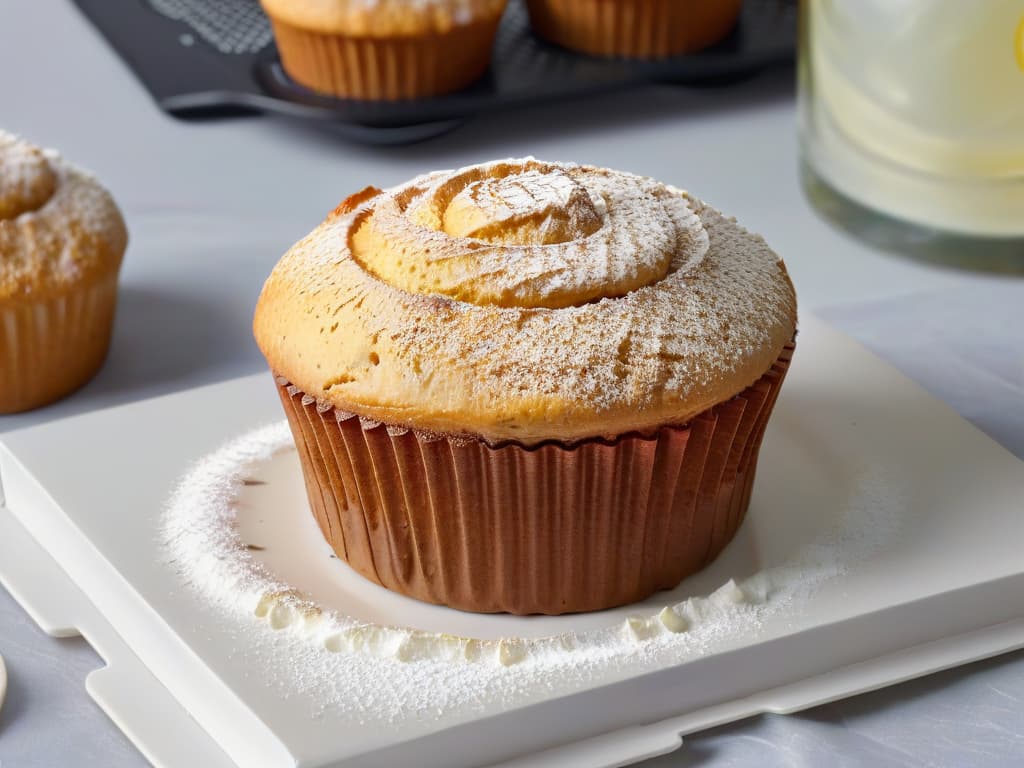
column 27, row 180
column 539, row 235
column 663, row 310
column 528, row 208
column 369, row 673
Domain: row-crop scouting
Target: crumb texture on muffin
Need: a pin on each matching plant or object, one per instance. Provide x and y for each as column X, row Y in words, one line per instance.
column 526, row 301
column 58, row 226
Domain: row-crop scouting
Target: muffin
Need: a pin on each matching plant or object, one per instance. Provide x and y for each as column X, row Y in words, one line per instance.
column 636, row 29
column 525, row 386
column 384, row 49
column 62, row 239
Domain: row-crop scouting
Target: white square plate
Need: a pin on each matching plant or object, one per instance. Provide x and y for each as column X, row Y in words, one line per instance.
column 925, row 513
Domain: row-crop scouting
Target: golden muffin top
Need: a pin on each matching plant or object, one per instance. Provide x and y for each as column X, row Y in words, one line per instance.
column 527, row 301
column 382, row 18
column 58, row 226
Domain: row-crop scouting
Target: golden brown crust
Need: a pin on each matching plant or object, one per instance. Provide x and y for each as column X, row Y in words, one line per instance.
column 58, row 227
column 382, row 18
column 641, row 29
column 352, row 202
column 346, row 324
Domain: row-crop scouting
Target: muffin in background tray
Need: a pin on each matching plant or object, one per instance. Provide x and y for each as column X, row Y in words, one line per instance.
column 384, row 49
column 635, row 29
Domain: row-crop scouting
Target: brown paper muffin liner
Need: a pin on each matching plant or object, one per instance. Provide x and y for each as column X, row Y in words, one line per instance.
column 51, row 347
column 548, row 529
column 386, row 68
column 638, row 29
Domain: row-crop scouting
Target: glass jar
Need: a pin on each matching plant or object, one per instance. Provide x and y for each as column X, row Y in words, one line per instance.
column 912, row 124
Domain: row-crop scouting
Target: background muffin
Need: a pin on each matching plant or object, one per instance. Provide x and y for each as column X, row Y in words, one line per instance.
column 638, row 29
column 62, row 239
column 384, row 49
column 527, row 386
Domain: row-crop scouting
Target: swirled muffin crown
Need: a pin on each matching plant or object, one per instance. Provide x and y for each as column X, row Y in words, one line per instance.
column 526, row 301
column 57, row 224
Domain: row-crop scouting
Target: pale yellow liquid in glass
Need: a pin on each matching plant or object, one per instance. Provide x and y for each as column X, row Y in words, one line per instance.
column 935, row 87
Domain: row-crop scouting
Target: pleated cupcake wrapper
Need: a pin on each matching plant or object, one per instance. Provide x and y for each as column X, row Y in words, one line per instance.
column 49, row 348
column 549, row 529
column 640, row 29
column 386, row 68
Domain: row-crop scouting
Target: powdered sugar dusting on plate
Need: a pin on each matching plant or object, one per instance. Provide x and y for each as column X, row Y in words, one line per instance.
column 321, row 656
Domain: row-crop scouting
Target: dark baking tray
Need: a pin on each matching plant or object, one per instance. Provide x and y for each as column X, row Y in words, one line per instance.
column 207, row 65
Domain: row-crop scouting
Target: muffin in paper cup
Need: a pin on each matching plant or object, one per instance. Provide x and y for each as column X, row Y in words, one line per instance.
column 635, row 29
column 62, row 240
column 525, row 386
column 387, row 49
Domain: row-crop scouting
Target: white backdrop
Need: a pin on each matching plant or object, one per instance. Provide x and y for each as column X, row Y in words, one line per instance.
column 211, row 206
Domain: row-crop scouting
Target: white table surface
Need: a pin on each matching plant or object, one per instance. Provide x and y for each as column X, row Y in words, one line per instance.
column 212, row 205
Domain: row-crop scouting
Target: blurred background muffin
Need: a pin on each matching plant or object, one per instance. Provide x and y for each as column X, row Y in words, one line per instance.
column 384, row 49
column 637, row 29
column 62, row 239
